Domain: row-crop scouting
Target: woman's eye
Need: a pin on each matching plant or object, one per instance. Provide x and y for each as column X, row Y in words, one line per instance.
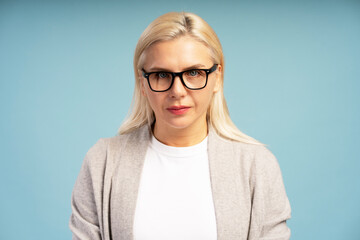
column 193, row 73
column 163, row 75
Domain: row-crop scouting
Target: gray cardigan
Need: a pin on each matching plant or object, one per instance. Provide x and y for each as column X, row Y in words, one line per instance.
column 248, row 191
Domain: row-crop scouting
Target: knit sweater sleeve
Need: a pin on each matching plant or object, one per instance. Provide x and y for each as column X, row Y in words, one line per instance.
column 85, row 221
column 270, row 204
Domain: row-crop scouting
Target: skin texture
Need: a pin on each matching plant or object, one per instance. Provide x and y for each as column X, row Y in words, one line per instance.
column 189, row 127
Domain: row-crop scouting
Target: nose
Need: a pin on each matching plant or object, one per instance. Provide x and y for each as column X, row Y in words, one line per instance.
column 178, row 89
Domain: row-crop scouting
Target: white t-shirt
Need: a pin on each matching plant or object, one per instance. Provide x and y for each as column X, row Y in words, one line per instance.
column 175, row 199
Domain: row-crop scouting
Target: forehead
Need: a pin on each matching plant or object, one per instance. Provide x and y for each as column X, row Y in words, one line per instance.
column 177, row 54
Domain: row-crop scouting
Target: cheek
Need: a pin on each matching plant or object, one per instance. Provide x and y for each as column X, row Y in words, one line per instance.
column 203, row 100
column 154, row 100
column 151, row 101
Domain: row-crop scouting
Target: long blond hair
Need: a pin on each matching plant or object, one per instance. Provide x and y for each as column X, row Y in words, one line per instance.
column 167, row 27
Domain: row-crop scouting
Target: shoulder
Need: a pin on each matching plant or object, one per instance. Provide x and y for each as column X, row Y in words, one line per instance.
column 257, row 154
column 261, row 161
column 106, row 148
column 253, row 159
column 261, row 167
column 252, row 152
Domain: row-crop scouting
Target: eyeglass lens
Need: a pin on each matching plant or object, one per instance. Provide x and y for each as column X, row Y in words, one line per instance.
column 193, row 79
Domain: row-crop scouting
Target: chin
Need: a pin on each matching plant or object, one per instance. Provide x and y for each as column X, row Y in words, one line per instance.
column 179, row 124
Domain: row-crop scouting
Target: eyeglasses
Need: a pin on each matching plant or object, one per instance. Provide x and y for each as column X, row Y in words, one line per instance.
column 193, row 79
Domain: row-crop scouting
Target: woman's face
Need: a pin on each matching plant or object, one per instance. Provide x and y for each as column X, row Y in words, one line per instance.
column 180, row 107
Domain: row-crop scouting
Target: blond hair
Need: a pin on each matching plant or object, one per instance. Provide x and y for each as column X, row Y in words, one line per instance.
column 167, row 27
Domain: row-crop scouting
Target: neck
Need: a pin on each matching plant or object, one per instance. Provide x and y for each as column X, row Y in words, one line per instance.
column 183, row 137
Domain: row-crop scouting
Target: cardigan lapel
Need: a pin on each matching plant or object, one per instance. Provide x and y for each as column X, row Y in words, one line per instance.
column 130, row 161
column 227, row 189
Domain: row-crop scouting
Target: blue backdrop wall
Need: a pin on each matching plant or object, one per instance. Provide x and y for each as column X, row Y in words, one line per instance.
column 291, row 81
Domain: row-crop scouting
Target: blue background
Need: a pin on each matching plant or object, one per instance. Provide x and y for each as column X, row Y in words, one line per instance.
column 291, row 81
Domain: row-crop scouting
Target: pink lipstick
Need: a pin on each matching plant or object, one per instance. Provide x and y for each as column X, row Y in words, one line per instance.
column 178, row 110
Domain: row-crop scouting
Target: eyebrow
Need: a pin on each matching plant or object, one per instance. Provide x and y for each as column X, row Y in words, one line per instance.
column 196, row 66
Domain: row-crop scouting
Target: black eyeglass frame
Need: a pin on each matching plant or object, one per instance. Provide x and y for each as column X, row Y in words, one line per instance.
column 180, row 74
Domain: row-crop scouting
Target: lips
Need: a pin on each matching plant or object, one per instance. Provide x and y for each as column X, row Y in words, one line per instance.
column 178, row 110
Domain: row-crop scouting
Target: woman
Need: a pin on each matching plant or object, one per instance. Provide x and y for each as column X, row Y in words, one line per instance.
column 179, row 168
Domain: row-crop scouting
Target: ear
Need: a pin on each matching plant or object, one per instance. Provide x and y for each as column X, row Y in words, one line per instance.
column 218, row 79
